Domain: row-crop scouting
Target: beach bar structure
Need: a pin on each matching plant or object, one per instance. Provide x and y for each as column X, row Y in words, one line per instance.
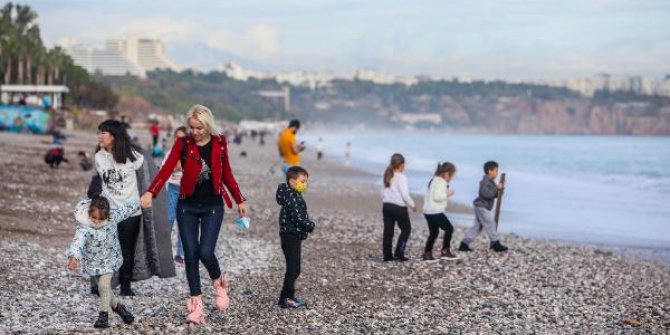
column 54, row 93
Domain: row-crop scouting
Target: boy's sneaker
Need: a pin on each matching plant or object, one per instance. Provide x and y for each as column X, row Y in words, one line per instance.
column 498, row 247
column 291, row 303
column 446, row 254
column 103, row 320
column 123, row 312
column 428, row 256
column 179, row 259
column 464, row 247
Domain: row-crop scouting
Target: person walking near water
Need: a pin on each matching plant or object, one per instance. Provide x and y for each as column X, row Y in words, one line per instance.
column 116, row 164
column 155, row 131
column 319, row 149
column 173, row 197
column 206, row 176
column 288, row 146
column 434, row 207
column 488, row 192
column 396, row 199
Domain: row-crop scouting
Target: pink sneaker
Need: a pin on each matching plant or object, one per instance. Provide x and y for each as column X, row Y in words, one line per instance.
column 221, row 293
column 195, row 312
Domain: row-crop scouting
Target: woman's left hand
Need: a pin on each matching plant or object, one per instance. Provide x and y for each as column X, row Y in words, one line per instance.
column 242, row 209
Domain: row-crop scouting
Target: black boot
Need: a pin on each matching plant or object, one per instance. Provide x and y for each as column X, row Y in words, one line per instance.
column 464, row 247
column 498, row 247
column 94, row 290
column 103, row 320
column 126, row 291
column 124, row 313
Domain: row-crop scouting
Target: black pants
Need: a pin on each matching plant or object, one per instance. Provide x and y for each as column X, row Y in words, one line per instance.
column 129, row 229
column 154, row 140
column 393, row 213
column 435, row 223
column 291, row 246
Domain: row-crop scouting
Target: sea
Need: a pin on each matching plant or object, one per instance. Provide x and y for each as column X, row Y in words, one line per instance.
column 605, row 190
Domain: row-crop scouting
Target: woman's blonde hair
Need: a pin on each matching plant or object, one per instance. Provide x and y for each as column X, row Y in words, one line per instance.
column 205, row 116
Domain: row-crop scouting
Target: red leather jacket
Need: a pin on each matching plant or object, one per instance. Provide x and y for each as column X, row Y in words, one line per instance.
column 191, row 165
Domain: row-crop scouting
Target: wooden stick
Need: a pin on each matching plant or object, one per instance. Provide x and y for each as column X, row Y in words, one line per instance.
column 500, row 194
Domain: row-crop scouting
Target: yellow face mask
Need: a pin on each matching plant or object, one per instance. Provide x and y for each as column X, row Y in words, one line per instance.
column 301, row 186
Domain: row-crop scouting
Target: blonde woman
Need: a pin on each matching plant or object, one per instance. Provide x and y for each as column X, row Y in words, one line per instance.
column 203, row 154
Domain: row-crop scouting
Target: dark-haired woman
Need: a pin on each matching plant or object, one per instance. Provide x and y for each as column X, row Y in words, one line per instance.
column 396, row 199
column 116, row 164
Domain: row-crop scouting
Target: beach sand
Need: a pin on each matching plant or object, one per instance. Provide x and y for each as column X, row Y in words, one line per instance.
column 537, row 287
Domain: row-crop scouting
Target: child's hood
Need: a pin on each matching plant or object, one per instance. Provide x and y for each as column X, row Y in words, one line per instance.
column 82, row 216
column 284, row 193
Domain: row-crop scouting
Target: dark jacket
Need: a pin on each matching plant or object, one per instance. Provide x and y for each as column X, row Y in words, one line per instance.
column 153, row 253
column 488, row 192
column 293, row 217
column 222, row 174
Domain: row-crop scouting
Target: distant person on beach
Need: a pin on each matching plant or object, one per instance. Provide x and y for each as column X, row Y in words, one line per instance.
column 347, row 153
column 55, row 156
column 173, row 195
column 434, row 207
column 116, row 163
column 84, row 161
column 294, row 226
column 288, row 146
column 96, row 248
column 319, row 149
column 396, row 199
column 205, row 177
column 155, row 131
column 484, row 220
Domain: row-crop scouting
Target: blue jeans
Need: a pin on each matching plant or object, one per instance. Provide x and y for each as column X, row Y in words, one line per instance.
column 199, row 227
column 172, row 197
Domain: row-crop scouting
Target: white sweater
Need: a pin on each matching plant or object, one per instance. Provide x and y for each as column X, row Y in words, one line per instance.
column 119, row 181
column 398, row 192
column 436, row 198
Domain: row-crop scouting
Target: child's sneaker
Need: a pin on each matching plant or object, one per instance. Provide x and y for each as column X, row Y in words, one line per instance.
column 464, row 247
column 428, row 256
column 103, row 320
column 498, row 247
column 446, row 254
column 179, row 259
column 291, row 303
column 124, row 313
column 401, row 258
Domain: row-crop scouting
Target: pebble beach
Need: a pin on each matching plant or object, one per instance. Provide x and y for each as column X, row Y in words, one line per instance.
column 538, row 287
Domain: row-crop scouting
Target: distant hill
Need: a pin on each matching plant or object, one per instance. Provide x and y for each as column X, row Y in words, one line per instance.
column 474, row 106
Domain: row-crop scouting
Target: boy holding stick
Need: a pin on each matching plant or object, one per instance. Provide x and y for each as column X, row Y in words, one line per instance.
column 484, row 220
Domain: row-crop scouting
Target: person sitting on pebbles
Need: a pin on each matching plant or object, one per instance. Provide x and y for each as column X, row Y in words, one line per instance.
column 96, row 247
column 294, row 225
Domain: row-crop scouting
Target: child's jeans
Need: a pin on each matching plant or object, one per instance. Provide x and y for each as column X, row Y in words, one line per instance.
column 107, row 298
column 199, row 226
column 483, row 221
column 291, row 246
column 435, row 223
column 172, row 198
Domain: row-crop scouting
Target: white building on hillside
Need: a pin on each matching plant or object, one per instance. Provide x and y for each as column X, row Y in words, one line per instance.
column 149, row 54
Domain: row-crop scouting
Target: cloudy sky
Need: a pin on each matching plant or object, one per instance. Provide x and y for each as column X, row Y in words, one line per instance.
column 508, row 39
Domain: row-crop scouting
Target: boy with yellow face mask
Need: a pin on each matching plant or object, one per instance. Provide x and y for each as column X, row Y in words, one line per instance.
column 294, row 225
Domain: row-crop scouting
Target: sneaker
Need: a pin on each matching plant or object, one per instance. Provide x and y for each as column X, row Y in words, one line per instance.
column 498, row 247
column 300, row 302
column 388, row 259
column 291, row 303
column 446, row 254
column 124, row 313
column 102, row 321
column 428, row 256
column 464, row 247
column 179, row 259
column 401, row 258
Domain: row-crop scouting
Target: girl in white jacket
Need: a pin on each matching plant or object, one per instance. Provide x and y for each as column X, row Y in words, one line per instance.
column 434, row 208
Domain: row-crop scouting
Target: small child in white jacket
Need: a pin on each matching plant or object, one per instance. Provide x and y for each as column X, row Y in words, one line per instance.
column 96, row 247
column 434, row 207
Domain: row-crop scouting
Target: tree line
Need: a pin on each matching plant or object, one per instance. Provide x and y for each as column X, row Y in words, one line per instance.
column 25, row 60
